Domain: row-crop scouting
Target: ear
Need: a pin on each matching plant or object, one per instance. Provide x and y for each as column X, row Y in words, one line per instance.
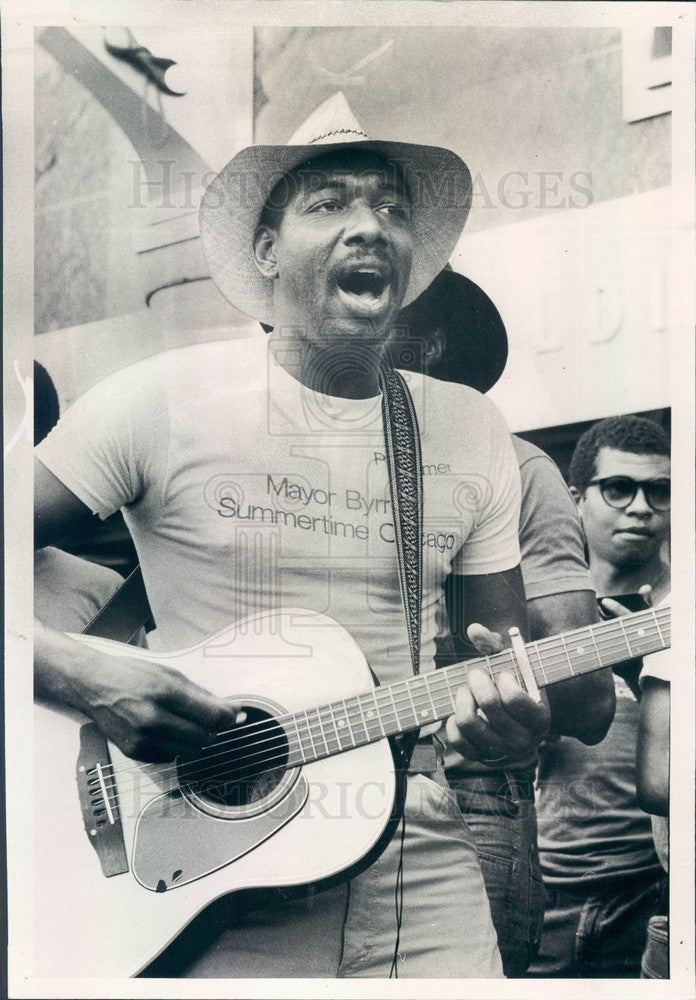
column 264, row 251
column 575, row 493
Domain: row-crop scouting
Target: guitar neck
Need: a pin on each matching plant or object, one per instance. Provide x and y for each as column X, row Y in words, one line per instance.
column 407, row 705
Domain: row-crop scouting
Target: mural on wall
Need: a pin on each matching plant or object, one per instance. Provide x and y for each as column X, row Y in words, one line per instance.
column 130, row 124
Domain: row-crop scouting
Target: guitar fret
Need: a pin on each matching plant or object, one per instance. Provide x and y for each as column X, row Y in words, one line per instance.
column 316, row 720
column 533, row 651
column 372, row 716
column 310, row 734
column 355, row 708
column 441, row 680
column 346, row 719
column 626, row 639
column 300, row 738
column 567, row 655
column 430, row 697
column 326, row 726
column 413, row 704
column 338, row 723
column 594, row 643
column 659, row 630
column 397, row 721
column 417, row 689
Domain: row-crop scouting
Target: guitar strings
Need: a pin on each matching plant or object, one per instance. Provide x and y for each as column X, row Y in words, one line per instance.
column 275, row 761
column 241, row 733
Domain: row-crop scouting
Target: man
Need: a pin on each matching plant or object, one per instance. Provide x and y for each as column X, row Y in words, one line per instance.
column 455, row 331
column 652, row 779
column 603, row 877
column 207, row 447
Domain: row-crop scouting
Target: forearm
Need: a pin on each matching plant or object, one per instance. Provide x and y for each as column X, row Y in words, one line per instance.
column 652, row 758
column 582, row 707
column 59, row 664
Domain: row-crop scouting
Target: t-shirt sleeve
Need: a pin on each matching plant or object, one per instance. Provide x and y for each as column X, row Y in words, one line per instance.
column 552, row 541
column 99, row 447
column 493, row 544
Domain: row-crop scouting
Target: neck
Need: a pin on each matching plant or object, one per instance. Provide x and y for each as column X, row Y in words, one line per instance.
column 337, row 366
column 611, row 580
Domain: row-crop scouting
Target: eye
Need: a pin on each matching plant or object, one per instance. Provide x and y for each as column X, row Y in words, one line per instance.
column 394, row 210
column 328, row 205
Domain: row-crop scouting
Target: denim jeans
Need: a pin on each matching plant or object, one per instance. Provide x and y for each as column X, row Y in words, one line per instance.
column 499, row 811
column 351, row 930
column 655, row 961
column 597, row 936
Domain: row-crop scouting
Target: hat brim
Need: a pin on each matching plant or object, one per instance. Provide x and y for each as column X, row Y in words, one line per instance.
column 438, row 180
column 475, row 339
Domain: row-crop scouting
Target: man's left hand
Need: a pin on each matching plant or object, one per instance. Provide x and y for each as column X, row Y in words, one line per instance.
column 496, row 723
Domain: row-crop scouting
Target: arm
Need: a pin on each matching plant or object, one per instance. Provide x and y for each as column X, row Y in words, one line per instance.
column 652, row 762
column 560, row 593
column 569, row 700
column 58, row 513
column 150, row 711
column 514, row 723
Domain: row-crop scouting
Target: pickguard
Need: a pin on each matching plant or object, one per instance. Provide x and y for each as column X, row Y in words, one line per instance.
column 176, row 842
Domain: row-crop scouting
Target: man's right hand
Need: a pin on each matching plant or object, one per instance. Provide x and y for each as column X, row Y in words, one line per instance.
column 149, row 710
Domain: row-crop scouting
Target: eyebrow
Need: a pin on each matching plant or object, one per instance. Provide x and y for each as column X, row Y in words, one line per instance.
column 317, row 183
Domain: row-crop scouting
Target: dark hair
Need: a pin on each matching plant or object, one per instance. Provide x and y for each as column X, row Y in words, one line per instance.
column 46, row 407
column 632, row 434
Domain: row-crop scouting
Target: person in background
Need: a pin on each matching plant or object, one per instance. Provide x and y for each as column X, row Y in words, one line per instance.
column 603, row 877
column 652, row 778
column 456, row 334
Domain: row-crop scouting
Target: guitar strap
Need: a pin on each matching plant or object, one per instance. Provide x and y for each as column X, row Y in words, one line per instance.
column 128, row 609
column 405, row 469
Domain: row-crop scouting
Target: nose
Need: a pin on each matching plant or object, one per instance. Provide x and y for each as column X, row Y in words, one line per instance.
column 639, row 505
column 363, row 226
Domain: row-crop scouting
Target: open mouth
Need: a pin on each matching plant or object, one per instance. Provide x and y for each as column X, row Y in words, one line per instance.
column 364, row 289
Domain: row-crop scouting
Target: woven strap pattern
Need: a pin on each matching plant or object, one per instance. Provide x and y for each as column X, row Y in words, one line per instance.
column 405, row 467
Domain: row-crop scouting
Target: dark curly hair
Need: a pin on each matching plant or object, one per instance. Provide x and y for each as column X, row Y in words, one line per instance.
column 633, row 434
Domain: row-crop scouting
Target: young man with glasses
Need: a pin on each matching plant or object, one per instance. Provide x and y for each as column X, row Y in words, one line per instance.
column 602, row 875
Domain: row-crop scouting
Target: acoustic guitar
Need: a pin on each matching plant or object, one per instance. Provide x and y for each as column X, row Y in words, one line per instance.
column 305, row 790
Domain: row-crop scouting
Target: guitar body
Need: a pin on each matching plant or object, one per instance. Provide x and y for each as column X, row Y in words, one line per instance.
column 184, row 839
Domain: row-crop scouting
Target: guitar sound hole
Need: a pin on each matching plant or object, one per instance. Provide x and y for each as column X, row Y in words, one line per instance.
column 243, row 766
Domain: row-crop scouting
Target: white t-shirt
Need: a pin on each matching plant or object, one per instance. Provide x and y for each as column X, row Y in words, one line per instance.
column 245, row 491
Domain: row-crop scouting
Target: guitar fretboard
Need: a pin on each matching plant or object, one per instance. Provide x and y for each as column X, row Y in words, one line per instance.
column 397, row 708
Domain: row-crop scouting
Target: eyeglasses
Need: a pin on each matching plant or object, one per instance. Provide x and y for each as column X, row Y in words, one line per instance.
column 620, row 491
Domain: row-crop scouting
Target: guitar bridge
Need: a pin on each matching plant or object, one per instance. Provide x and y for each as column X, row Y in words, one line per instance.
column 99, row 801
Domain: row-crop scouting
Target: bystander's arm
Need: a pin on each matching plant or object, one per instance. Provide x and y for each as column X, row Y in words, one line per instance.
column 652, row 764
column 582, row 707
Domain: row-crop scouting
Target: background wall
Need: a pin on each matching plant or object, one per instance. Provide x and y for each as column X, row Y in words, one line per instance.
column 569, row 230
column 521, row 100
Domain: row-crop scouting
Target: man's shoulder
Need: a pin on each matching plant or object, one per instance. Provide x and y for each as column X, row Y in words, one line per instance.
column 453, row 394
column 528, row 452
column 244, row 356
column 192, row 370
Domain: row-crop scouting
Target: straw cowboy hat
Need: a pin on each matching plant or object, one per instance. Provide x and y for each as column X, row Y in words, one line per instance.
column 437, row 179
column 453, row 332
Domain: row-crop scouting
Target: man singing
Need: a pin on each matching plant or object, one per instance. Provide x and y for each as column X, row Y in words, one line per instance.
column 255, row 477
